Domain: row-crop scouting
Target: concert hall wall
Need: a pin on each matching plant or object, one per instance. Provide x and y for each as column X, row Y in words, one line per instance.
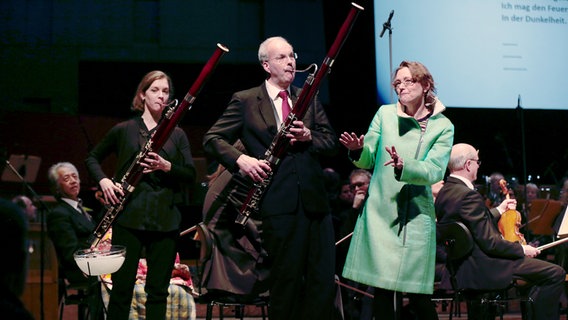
column 69, row 70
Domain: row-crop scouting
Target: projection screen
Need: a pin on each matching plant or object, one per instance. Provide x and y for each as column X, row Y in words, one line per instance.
column 482, row 53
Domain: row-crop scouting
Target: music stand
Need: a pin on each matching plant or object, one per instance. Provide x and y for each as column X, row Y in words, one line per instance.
column 542, row 214
column 26, row 166
column 563, row 230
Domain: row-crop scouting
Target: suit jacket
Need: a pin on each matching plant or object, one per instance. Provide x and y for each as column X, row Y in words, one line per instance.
column 251, row 117
column 490, row 265
column 69, row 231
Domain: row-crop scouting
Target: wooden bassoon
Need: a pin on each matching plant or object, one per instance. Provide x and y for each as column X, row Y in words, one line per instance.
column 281, row 143
column 166, row 126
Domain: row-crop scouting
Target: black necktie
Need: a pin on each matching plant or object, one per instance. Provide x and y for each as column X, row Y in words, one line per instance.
column 82, row 210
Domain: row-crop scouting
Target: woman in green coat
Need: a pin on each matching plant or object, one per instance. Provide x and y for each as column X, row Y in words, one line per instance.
column 408, row 146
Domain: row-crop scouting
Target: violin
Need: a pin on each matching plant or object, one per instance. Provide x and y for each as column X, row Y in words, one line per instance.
column 510, row 220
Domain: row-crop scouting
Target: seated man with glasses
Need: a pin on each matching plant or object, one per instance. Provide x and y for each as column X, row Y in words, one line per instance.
column 494, row 262
column 355, row 304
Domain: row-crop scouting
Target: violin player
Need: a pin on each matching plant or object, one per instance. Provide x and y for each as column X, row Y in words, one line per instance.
column 494, row 262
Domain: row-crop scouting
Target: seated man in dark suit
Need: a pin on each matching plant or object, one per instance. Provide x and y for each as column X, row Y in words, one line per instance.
column 494, row 261
column 69, row 227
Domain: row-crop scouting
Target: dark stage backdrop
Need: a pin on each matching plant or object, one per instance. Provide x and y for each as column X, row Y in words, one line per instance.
column 103, row 87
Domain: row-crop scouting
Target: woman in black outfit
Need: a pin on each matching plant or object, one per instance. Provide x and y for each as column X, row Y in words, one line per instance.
column 150, row 219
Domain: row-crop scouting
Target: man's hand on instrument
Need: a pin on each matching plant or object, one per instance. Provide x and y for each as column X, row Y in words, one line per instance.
column 110, row 191
column 256, row 169
column 299, row 132
column 507, row 204
column 395, row 160
column 530, row 251
column 351, row 141
column 153, row 162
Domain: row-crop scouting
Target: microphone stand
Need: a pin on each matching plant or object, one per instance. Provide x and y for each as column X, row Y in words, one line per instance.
column 45, row 210
column 524, row 153
column 387, row 26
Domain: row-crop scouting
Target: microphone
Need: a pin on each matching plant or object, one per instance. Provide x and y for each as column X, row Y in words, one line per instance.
column 387, row 24
column 519, row 101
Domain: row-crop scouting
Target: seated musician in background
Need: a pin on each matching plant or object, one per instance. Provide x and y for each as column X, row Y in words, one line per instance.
column 494, row 196
column 359, row 180
column 355, row 305
column 525, row 194
column 69, row 227
column 563, row 193
column 27, row 206
column 494, row 261
column 561, row 251
column 14, row 268
column 441, row 276
column 531, row 192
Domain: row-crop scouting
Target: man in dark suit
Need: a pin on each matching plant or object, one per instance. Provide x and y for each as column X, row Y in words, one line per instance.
column 69, row 227
column 297, row 230
column 494, row 261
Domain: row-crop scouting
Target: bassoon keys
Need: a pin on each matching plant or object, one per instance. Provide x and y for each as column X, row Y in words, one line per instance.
column 166, row 126
column 281, row 143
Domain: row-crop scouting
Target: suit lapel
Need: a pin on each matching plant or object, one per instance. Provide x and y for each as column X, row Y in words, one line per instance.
column 267, row 110
column 79, row 218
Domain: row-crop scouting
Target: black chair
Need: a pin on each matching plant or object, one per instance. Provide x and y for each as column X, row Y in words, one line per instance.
column 86, row 296
column 458, row 242
column 73, row 295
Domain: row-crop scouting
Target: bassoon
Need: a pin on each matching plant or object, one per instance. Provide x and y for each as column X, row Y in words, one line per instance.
column 281, row 143
column 172, row 115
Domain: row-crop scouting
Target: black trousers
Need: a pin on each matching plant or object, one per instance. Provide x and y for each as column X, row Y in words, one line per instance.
column 301, row 253
column 160, row 252
column 420, row 304
column 547, row 284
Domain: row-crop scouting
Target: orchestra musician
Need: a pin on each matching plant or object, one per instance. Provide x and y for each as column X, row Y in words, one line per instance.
column 494, row 261
column 296, row 228
column 494, row 195
column 150, row 220
column 28, row 206
column 69, row 227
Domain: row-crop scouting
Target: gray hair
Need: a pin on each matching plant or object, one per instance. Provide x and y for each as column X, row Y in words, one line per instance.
column 53, row 175
column 460, row 154
column 263, row 48
column 360, row 172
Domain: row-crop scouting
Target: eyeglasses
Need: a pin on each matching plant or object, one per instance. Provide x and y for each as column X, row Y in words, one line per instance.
column 476, row 160
column 357, row 185
column 406, row 82
column 282, row 58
